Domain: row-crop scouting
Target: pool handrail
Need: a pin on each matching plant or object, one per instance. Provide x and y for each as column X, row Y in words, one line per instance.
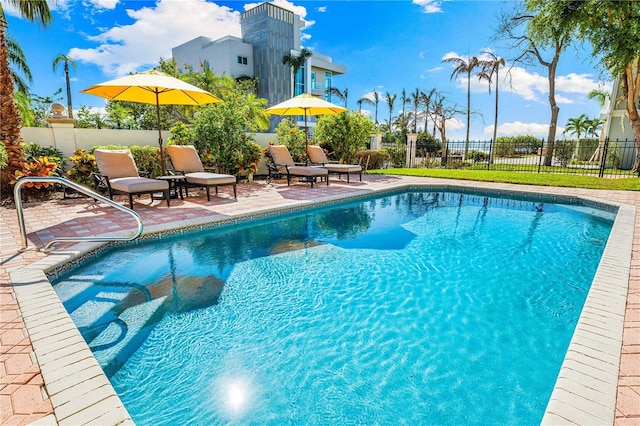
column 17, row 196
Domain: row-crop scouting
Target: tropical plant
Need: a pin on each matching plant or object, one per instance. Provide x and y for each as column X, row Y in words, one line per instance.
column 220, row 128
column 599, row 95
column 342, row 95
column 426, row 100
column 181, row 134
column 464, row 66
column 374, row 102
column 577, row 126
column 293, row 138
column 84, row 168
column 592, row 126
column 37, row 167
column 489, row 69
column 415, row 99
column 373, row 159
column 32, row 10
column 344, row 133
column 296, row 62
column 391, row 99
column 68, row 62
column 18, row 66
column 118, row 116
column 251, row 155
column 89, row 120
column 397, row 155
column 33, row 151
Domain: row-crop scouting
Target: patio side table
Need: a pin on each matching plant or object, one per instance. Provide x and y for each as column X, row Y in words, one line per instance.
column 176, row 183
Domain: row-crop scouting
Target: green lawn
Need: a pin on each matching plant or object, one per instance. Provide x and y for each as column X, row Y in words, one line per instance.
column 544, row 179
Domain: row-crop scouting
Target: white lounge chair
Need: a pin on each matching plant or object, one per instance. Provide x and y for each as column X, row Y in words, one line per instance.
column 185, row 160
column 283, row 164
column 118, row 171
column 317, row 157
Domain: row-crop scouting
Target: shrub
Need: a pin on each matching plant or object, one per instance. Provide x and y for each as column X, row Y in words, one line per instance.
column 478, row 156
column 613, row 155
column 508, row 146
column 84, row 168
column 564, row 150
column 344, row 133
column 147, row 158
column 33, row 151
column 42, row 167
column 586, row 149
column 376, row 158
column 426, row 142
column 397, row 155
column 181, row 134
column 219, row 133
column 293, row 138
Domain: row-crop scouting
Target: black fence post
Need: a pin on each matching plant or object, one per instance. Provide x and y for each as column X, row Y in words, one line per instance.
column 603, row 157
column 541, row 154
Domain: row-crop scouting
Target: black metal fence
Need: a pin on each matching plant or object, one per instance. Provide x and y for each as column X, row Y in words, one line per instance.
column 585, row 156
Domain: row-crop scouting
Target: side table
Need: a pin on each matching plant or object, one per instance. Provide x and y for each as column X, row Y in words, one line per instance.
column 176, row 183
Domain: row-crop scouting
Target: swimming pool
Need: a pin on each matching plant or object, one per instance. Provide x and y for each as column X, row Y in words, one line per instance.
column 291, row 331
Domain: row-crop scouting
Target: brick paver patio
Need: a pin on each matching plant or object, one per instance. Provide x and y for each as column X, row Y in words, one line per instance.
column 23, row 392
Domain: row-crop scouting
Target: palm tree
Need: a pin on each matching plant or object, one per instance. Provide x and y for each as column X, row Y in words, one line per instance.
column 33, row 10
column 464, row 66
column 391, row 99
column 68, row 62
column 599, row 95
column 342, row 95
column 425, row 98
column 489, row 68
column 592, row 126
column 577, row 125
column 415, row 99
column 296, row 62
column 375, row 101
column 18, row 65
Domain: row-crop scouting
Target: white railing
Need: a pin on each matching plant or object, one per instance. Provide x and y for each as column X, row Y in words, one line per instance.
column 17, row 194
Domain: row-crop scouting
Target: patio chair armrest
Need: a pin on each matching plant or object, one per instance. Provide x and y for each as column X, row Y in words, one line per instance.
column 143, row 173
column 174, row 172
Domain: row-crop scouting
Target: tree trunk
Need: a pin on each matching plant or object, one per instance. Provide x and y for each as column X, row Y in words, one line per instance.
column 466, row 142
column 69, row 106
column 555, row 110
column 495, row 122
column 10, row 121
column 630, row 87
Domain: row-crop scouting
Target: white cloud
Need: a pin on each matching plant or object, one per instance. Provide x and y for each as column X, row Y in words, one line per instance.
column 434, row 69
column 127, row 48
column 322, row 9
column 104, row 4
column 429, row 6
column 285, row 4
column 576, row 83
column 516, row 128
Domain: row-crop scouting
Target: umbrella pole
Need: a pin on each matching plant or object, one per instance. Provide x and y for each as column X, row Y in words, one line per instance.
column 162, row 162
column 306, row 139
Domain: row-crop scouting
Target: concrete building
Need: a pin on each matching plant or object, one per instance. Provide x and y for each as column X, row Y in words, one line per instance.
column 268, row 33
column 617, row 127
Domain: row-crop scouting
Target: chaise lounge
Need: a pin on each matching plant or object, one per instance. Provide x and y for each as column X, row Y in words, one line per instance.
column 119, row 173
column 186, row 161
column 283, row 164
column 317, row 157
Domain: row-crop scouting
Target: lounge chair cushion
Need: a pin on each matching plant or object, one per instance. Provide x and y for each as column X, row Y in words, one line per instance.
column 343, row 168
column 116, row 163
column 185, row 158
column 210, row 179
column 281, row 156
column 317, row 156
column 308, row 171
column 138, row 184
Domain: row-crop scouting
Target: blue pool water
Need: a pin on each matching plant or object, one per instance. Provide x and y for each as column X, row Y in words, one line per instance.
column 415, row 308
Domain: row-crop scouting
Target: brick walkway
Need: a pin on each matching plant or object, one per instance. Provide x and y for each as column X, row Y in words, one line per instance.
column 23, row 396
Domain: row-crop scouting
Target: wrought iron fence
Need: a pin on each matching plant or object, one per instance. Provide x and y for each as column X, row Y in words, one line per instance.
column 585, row 156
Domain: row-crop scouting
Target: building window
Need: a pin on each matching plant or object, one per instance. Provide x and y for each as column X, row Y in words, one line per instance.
column 242, row 60
column 327, row 86
column 299, row 82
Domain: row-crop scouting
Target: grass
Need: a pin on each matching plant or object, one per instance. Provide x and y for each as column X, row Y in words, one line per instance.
column 542, row 179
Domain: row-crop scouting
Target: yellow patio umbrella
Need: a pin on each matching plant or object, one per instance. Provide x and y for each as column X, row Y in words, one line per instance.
column 152, row 87
column 305, row 104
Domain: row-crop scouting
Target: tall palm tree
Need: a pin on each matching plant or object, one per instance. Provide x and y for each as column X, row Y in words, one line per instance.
column 489, row 68
column 342, row 95
column 374, row 102
column 415, row 99
column 391, row 99
column 464, row 66
column 18, row 65
column 68, row 62
column 296, row 62
column 10, row 122
column 592, row 127
column 425, row 99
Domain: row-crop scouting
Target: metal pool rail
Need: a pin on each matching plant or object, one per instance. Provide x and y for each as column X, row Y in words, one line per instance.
column 17, row 192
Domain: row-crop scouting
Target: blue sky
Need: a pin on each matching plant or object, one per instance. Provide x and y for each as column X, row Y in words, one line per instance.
column 387, row 46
